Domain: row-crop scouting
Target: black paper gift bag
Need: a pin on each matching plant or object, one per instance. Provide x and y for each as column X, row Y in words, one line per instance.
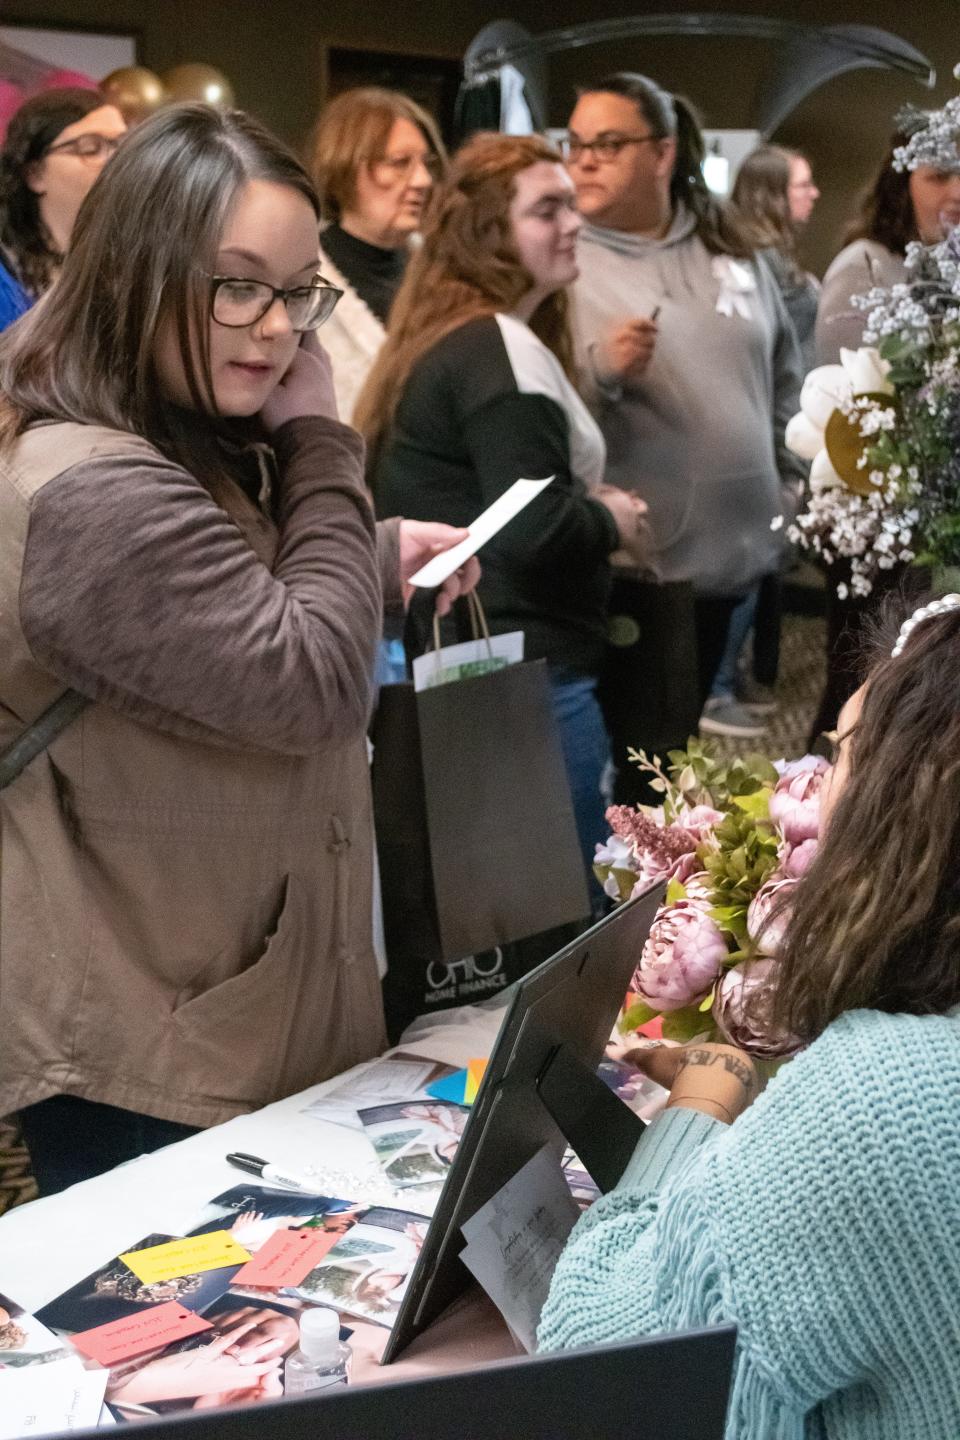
column 475, row 830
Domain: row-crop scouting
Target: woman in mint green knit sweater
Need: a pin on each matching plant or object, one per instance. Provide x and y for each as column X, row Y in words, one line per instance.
column 824, row 1218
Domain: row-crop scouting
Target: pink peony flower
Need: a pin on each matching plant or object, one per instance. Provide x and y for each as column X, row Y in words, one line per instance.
column 769, row 913
column 682, row 956
column 700, row 819
column 795, row 803
column 656, row 867
column 741, row 1009
column 795, row 860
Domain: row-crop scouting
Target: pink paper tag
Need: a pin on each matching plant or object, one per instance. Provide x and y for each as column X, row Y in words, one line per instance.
column 286, row 1258
column 149, row 1330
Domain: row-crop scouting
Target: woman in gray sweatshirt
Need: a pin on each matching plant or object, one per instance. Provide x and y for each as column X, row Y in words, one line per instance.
column 687, row 347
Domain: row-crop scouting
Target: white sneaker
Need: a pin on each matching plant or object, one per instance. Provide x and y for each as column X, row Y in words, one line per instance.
column 724, row 716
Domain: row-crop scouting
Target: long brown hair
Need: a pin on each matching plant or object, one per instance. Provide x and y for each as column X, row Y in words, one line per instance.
column 352, row 131
column 467, row 266
column 140, row 259
column 761, row 198
column 886, row 208
column 673, row 117
column 27, row 243
column 877, row 916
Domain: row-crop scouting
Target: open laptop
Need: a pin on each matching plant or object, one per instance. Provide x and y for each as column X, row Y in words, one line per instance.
column 665, row 1387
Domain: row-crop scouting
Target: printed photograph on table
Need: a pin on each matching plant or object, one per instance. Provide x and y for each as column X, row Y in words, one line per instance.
column 415, row 1142
column 114, row 1292
column 24, row 1340
column 44, row 1387
column 367, row 1272
column 583, row 1187
column 399, row 1077
column 239, row 1362
column 644, row 1097
column 253, row 1213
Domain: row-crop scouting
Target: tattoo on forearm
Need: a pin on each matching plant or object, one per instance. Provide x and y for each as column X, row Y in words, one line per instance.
column 741, row 1070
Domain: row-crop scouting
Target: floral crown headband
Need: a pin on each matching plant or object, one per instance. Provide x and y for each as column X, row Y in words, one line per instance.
column 926, row 612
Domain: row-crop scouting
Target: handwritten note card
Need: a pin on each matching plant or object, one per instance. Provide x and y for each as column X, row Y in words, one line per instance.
column 49, row 1399
column 515, row 1240
column 190, row 1256
column 286, row 1258
column 136, row 1334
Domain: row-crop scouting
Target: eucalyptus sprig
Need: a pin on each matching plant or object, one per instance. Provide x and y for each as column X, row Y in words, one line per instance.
column 701, row 775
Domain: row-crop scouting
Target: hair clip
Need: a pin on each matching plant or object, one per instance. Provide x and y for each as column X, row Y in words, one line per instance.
column 935, row 607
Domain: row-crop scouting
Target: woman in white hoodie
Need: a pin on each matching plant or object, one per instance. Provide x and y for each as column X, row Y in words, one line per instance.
column 376, row 156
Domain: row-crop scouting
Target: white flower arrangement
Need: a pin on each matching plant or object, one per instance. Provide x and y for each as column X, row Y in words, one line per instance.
column 855, row 512
column 933, row 136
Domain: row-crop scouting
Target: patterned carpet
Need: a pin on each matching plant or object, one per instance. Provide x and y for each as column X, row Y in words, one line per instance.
column 801, row 679
column 802, row 674
column 16, row 1182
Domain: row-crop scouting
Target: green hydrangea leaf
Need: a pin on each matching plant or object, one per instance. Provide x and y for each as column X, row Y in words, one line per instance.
column 685, row 1025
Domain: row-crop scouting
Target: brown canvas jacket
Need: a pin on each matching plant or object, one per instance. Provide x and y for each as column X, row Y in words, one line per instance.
column 186, row 878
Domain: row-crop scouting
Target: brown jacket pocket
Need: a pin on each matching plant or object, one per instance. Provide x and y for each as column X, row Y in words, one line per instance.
column 234, row 1034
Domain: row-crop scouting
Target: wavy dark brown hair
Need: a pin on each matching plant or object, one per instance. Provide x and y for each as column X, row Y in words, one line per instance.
column 886, row 208
column 876, row 922
column 467, row 266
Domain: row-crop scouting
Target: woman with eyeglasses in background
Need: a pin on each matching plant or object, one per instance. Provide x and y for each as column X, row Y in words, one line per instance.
column 694, row 371
column 186, row 540
column 55, row 147
column 375, row 158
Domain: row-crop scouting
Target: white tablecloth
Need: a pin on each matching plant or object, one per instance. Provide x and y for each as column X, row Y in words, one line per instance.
column 51, row 1244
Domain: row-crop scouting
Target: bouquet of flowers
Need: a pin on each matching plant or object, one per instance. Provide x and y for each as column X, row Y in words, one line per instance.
column 732, row 838
column 882, row 428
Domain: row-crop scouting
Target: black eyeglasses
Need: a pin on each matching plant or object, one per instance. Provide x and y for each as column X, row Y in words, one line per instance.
column 605, row 148
column 88, row 147
column 238, row 303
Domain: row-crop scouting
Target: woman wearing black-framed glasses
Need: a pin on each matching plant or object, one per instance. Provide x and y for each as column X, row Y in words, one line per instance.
column 56, row 145
column 186, row 540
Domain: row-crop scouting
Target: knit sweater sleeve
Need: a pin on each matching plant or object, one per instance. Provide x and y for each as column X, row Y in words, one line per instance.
column 818, row 1223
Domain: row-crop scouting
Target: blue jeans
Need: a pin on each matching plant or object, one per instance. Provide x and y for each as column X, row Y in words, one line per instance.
column 741, row 623
column 586, row 754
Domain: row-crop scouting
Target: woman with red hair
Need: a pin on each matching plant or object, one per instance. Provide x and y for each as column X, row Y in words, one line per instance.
column 473, row 391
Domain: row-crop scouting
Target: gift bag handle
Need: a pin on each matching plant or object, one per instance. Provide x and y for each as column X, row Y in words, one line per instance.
column 478, row 624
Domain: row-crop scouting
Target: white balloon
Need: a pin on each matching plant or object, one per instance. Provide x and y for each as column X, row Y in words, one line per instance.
column 803, row 437
column 822, row 474
column 866, row 371
column 823, row 391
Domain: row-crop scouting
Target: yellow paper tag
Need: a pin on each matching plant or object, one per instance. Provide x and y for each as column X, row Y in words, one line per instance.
column 185, row 1257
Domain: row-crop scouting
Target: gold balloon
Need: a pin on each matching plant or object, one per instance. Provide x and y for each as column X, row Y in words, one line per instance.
column 136, row 92
column 845, row 445
column 198, row 82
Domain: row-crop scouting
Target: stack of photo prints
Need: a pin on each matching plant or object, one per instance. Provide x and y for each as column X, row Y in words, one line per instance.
column 234, row 1324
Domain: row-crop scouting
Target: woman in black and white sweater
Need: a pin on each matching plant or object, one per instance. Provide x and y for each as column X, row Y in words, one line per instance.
column 472, row 391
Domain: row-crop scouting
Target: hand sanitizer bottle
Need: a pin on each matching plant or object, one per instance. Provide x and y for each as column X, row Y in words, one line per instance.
column 321, row 1359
